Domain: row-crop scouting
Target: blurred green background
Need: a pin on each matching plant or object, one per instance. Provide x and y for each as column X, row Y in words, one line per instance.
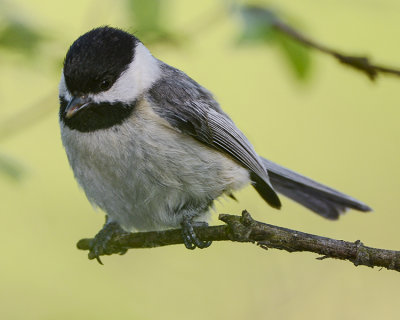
column 326, row 121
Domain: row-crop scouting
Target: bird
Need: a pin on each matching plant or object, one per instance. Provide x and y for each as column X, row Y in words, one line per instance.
column 153, row 149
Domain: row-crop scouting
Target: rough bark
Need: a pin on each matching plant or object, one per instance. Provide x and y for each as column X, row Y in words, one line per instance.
column 245, row 229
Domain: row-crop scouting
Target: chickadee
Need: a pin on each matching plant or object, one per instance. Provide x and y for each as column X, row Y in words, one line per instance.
column 153, row 148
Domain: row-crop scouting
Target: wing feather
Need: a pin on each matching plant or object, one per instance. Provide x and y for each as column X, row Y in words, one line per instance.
column 192, row 110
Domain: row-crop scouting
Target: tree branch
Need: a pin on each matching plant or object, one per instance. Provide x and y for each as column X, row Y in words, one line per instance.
column 245, row 229
column 360, row 63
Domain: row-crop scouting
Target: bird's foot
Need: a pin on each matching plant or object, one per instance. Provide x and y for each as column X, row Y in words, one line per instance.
column 100, row 245
column 190, row 238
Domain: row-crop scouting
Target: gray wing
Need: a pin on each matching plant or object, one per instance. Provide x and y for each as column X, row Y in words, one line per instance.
column 192, row 110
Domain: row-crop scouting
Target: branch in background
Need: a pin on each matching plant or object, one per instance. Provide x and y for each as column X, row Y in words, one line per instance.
column 245, row 229
column 360, row 63
column 264, row 25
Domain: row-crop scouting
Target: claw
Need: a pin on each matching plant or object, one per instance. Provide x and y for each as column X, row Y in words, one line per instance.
column 190, row 239
column 100, row 244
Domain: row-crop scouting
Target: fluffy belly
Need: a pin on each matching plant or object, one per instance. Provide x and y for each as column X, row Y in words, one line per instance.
column 147, row 176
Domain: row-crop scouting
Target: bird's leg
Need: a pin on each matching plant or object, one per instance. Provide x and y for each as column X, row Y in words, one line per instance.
column 100, row 244
column 190, row 238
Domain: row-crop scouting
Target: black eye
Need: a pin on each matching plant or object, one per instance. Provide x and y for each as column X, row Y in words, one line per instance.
column 105, row 84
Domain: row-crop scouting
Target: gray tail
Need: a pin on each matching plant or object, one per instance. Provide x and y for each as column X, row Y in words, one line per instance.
column 321, row 199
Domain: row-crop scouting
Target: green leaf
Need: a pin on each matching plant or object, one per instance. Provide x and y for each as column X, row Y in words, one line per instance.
column 297, row 56
column 16, row 35
column 10, row 168
column 258, row 24
column 147, row 17
column 146, row 14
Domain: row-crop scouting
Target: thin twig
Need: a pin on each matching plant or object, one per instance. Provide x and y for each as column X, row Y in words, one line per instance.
column 360, row 63
column 245, row 229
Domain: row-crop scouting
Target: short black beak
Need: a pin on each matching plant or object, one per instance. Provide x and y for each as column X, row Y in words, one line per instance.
column 76, row 104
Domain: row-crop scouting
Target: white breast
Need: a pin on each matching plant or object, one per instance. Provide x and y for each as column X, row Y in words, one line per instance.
column 143, row 170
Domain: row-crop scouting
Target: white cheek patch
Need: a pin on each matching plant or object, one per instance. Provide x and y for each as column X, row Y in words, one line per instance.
column 141, row 73
column 62, row 89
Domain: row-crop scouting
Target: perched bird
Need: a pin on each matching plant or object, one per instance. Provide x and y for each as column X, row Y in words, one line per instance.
column 153, row 148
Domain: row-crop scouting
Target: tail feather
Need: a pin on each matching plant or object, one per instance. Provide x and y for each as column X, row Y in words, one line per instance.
column 266, row 191
column 321, row 199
